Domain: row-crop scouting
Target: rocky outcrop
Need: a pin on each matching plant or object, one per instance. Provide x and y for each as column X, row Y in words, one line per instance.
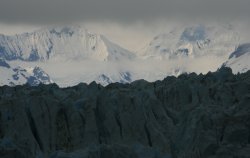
column 192, row 116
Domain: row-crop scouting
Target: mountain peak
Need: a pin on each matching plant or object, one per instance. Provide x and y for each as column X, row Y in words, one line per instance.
column 192, row 41
column 194, row 33
column 18, row 75
column 61, row 43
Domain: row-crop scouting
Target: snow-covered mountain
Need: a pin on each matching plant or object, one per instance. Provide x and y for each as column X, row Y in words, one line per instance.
column 18, row 75
column 70, row 55
column 61, row 43
column 192, row 41
column 239, row 60
column 52, row 46
column 121, row 77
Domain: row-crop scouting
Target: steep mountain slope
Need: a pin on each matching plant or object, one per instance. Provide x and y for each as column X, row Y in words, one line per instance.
column 18, row 75
column 192, row 116
column 61, row 43
column 239, row 60
column 192, row 41
column 50, row 46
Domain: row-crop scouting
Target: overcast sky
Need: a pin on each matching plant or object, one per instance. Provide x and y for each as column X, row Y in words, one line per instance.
column 119, row 19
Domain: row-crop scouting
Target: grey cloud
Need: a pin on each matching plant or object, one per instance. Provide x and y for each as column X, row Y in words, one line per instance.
column 126, row 11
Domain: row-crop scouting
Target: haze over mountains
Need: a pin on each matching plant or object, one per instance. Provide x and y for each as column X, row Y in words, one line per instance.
column 70, row 55
column 193, row 41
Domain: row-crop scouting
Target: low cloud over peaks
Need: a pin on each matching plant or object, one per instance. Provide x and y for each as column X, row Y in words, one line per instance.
column 123, row 11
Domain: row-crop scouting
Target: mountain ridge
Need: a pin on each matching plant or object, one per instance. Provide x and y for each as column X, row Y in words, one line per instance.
column 239, row 59
column 17, row 75
column 60, row 42
column 192, row 41
column 187, row 116
column 72, row 54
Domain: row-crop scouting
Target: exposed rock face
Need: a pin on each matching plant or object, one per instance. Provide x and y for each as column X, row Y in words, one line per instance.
column 18, row 75
column 238, row 61
column 192, row 116
column 3, row 63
